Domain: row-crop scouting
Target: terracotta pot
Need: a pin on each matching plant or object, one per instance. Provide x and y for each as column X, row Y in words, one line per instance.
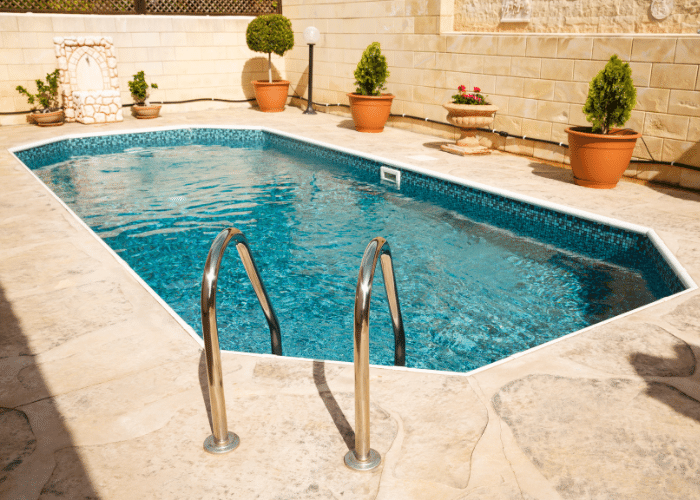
column 370, row 112
column 52, row 119
column 145, row 112
column 271, row 96
column 597, row 160
column 469, row 117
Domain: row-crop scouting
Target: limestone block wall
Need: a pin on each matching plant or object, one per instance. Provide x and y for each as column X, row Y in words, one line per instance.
column 102, row 106
column 188, row 57
column 539, row 81
column 580, row 16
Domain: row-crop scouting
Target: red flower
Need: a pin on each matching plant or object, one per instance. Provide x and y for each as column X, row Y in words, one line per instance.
column 461, row 88
column 477, row 89
column 464, row 95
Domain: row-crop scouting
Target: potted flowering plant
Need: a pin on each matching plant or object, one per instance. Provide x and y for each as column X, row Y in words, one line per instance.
column 50, row 113
column 369, row 107
column 473, row 98
column 469, row 111
column 600, row 154
column 267, row 34
column 139, row 89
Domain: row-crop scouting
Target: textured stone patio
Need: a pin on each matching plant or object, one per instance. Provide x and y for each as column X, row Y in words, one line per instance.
column 103, row 393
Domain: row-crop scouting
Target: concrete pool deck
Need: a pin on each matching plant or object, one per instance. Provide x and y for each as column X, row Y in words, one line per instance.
column 103, row 393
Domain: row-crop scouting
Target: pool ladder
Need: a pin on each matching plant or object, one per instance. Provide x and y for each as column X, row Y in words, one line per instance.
column 221, row 440
column 362, row 458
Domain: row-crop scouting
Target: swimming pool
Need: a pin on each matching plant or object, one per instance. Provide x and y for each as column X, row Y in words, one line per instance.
column 480, row 276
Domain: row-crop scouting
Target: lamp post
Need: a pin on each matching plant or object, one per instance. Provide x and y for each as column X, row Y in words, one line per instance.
column 311, row 36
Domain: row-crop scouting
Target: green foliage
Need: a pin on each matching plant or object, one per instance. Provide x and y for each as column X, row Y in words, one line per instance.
column 139, row 88
column 270, row 33
column 47, row 93
column 611, row 96
column 371, row 72
column 474, row 98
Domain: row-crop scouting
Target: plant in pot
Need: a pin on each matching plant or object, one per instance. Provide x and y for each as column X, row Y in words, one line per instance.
column 469, row 111
column 369, row 107
column 270, row 33
column 50, row 113
column 139, row 89
column 600, row 154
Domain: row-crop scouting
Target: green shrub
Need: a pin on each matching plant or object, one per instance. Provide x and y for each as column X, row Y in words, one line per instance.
column 270, row 33
column 611, row 97
column 139, row 88
column 371, row 72
column 47, row 93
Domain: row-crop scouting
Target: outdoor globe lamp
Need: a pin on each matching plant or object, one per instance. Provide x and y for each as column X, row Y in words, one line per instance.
column 311, row 36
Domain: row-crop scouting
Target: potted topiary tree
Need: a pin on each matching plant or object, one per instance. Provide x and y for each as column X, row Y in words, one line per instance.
column 369, row 107
column 270, row 33
column 600, row 154
column 50, row 113
column 139, row 89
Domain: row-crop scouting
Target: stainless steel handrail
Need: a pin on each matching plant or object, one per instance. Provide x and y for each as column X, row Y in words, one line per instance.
column 364, row 458
column 221, row 440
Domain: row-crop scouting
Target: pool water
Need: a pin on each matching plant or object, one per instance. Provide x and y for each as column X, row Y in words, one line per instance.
column 470, row 293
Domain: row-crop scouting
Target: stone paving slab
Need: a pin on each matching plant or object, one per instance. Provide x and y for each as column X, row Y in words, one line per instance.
column 103, row 393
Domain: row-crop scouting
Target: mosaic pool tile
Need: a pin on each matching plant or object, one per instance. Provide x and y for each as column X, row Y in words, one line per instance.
column 47, row 154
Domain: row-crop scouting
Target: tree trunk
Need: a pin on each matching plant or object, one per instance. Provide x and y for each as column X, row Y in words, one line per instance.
column 269, row 67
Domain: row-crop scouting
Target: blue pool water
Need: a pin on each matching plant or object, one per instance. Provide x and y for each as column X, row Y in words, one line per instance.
column 471, row 292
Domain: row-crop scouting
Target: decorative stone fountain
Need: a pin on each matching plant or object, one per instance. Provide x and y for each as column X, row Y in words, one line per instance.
column 88, row 75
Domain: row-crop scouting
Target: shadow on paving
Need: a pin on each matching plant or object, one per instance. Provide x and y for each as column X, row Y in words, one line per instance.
column 33, row 443
column 665, row 393
column 204, row 386
column 336, row 413
column 349, row 124
column 551, row 172
column 676, row 192
column 319, row 375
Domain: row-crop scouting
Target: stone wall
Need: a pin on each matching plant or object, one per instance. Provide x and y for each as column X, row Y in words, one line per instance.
column 188, row 57
column 579, row 16
column 539, row 81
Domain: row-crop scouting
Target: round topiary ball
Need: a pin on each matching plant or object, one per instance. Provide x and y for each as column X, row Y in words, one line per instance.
column 270, row 33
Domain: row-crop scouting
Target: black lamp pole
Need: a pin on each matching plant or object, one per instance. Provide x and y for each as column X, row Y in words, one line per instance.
column 309, row 109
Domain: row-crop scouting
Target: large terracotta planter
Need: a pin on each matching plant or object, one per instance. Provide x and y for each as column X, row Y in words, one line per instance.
column 370, row 112
column 597, row 160
column 469, row 117
column 52, row 119
column 145, row 112
column 271, row 96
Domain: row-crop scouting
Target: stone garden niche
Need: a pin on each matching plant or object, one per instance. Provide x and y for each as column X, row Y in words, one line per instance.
column 88, row 76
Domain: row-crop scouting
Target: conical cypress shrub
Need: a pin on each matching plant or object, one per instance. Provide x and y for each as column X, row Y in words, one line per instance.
column 371, row 72
column 611, row 96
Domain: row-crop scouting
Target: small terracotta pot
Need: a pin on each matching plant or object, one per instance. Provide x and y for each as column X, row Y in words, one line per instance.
column 271, row 96
column 145, row 112
column 52, row 119
column 370, row 112
column 599, row 160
